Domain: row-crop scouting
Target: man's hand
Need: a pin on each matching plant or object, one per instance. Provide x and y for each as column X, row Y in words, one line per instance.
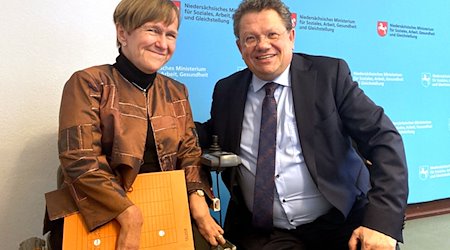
column 130, row 221
column 371, row 240
column 207, row 226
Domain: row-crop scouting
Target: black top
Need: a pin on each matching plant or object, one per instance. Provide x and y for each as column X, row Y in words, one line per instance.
column 133, row 74
column 143, row 82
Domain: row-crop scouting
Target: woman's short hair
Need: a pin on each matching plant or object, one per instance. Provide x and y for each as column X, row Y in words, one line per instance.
column 132, row 14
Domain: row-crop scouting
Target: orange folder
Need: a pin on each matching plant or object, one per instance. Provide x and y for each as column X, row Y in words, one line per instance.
column 162, row 198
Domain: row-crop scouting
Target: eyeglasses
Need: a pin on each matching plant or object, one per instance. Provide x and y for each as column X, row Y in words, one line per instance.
column 253, row 40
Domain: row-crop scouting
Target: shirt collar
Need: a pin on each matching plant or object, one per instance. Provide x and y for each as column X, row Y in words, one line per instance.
column 283, row 79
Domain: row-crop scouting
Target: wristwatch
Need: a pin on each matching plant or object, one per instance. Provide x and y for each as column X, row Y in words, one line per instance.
column 199, row 192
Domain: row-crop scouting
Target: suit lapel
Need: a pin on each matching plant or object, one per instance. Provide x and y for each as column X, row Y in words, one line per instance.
column 303, row 81
column 237, row 97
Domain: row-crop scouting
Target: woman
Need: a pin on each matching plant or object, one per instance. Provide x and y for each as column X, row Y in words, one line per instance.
column 119, row 120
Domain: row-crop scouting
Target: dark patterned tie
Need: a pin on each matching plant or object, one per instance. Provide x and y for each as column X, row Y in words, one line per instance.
column 265, row 165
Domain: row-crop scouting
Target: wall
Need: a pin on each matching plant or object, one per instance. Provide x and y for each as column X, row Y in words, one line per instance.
column 42, row 43
column 397, row 50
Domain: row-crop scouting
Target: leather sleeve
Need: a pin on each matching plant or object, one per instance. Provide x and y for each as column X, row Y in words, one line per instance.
column 94, row 188
column 197, row 176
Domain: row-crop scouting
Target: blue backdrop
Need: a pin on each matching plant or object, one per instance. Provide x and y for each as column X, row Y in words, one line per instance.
column 398, row 52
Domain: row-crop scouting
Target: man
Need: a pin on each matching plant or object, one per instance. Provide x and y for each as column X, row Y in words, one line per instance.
column 325, row 197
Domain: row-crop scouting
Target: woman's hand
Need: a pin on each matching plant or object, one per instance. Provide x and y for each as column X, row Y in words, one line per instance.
column 130, row 221
column 207, row 226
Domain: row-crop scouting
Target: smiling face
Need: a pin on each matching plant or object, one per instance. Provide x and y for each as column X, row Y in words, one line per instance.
column 269, row 57
column 149, row 46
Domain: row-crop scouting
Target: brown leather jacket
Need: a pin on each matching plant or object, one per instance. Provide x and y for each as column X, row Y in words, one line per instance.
column 102, row 133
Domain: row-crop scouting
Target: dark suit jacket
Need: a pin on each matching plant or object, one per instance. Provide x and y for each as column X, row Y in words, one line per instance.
column 331, row 111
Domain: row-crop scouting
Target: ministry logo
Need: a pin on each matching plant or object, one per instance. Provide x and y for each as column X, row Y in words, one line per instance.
column 294, row 19
column 424, row 172
column 382, row 28
column 178, row 4
column 426, row 79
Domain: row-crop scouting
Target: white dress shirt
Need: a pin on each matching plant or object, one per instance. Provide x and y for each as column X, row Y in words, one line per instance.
column 297, row 200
